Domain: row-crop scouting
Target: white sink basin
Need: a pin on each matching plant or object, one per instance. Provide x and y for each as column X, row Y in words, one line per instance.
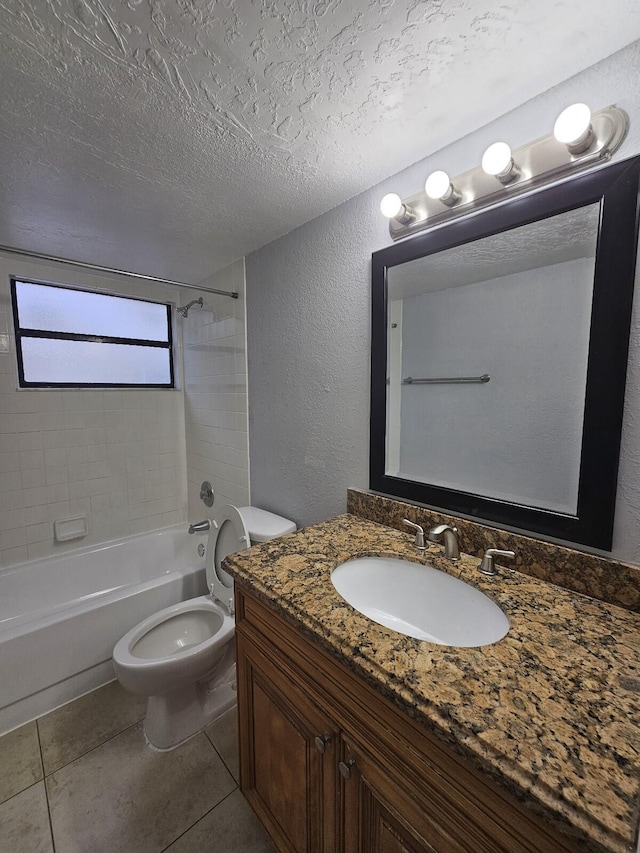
column 420, row 601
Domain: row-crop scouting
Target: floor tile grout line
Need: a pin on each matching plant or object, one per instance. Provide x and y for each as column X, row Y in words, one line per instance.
column 82, row 754
column 46, row 792
column 97, row 746
column 41, row 779
column 221, row 757
column 46, row 776
column 17, row 793
column 202, row 817
column 219, row 754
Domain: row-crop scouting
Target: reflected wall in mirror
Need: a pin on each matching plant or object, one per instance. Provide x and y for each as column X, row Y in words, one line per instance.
column 499, row 359
column 513, row 307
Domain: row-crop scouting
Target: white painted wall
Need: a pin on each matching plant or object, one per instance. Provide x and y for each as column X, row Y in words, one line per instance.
column 116, row 456
column 308, row 324
column 215, row 389
column 308, row 362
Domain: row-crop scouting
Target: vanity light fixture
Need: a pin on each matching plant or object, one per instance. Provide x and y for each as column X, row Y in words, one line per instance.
column 580, row 140
column 438, row 186
column 498, row 161
column 392, row 207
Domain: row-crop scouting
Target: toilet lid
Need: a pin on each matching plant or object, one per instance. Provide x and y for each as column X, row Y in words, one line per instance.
column 227, row 535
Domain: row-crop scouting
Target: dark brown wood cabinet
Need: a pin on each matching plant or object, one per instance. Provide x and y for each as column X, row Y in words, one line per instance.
column 331, row 766
column 288, row 755
column 380, row 815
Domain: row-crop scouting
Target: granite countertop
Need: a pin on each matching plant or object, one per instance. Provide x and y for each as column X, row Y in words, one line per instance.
column 551, row 712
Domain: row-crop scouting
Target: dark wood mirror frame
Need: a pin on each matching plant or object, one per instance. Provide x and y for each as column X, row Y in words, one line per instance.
column 617, row 188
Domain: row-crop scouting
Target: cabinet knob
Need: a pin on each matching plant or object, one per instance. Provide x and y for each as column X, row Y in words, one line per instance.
column 322, row 741
column 345, row 768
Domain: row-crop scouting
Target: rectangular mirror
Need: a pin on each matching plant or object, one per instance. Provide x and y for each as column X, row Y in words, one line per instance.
column 499, row 359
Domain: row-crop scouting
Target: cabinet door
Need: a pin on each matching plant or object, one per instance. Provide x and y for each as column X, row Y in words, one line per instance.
column 288, row 751
column 380, row 815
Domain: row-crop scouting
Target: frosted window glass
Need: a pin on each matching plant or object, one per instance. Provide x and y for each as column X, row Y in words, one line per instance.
column 57, row 309
column 47, row 360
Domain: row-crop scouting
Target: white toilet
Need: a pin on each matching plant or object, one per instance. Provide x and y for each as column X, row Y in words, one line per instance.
column 183, row 657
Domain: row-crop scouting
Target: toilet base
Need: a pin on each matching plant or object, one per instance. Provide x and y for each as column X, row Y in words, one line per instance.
column 174, row 717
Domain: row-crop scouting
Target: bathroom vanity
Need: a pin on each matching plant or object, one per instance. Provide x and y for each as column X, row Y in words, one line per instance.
column 356, row 738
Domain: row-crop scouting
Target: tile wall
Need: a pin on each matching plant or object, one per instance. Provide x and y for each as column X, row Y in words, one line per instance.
column 117, row 457
column 215, row 390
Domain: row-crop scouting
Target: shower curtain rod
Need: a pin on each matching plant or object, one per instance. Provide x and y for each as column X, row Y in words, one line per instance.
column 232, row 293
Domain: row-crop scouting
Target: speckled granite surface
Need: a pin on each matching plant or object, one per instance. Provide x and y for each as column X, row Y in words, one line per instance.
column 599, row 577
column 551, row 712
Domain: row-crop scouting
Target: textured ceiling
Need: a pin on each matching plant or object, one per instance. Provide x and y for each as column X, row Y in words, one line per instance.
column 556, row 240
column 170, row 137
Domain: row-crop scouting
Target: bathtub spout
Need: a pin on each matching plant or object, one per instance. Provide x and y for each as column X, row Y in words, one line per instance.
column 200, row 527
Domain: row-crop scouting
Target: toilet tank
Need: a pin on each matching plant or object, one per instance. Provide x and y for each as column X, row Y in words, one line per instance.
column 263, row 525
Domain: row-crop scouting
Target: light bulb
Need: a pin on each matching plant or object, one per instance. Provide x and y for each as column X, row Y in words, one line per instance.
column 573, row 128
column 438, row 185
column 391, row 205
column 497, row 159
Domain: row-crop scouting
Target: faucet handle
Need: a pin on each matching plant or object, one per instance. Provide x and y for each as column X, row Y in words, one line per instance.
column 486, row 566
column 419, row 543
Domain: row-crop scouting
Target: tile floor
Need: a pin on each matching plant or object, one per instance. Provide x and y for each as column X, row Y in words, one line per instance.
column 82, row 780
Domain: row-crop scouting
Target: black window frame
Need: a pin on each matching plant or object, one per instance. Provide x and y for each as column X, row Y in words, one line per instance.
column 25, row 332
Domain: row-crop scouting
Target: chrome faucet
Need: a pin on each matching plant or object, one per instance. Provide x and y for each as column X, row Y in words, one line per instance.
column 487, row 566
column 419, row 543
column 448, row 534
column 200, row 527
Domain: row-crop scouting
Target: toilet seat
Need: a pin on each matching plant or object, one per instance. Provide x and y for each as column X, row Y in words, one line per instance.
column 227, row 535
column 143, row 663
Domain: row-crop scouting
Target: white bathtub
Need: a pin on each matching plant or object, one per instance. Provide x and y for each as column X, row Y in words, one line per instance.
column 60, row 617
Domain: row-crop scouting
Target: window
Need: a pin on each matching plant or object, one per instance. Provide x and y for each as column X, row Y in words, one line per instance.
column 68, row 338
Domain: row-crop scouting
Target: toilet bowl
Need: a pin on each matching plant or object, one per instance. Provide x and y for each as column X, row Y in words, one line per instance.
column 183, row 657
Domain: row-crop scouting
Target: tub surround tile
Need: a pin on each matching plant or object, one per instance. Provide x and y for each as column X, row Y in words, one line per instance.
column 123, row 797
column 76, row 728
column 20, row 761
column 598, row 577
column 24, row 822
column 223, row 734
column 550, row 712
column 231, row 827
